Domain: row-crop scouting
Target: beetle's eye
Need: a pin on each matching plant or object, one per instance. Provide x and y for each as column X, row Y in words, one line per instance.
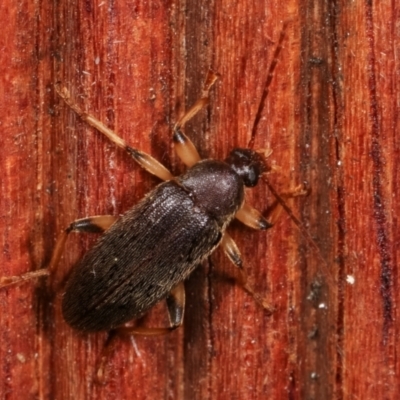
column 248, row 164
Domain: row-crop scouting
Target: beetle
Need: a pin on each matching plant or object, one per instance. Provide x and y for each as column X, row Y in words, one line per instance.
column 145, row 255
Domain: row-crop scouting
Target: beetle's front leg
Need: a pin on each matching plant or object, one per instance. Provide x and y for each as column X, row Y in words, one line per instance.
column 184, row 147
column 96, row 224
column 254, row 219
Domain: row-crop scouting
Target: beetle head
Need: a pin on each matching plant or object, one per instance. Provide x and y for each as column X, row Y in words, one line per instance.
column 248, row 164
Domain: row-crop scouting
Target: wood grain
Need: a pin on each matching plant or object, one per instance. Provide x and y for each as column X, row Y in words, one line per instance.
column 331, row 120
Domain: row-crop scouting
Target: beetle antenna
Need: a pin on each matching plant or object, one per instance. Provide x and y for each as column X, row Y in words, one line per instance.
column 303, row 230
column 267, row 84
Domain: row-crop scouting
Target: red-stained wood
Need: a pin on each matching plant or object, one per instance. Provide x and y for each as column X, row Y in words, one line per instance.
column 331, row 120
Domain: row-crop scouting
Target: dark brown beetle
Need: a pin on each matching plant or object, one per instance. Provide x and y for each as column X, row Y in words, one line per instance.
column 144, row 256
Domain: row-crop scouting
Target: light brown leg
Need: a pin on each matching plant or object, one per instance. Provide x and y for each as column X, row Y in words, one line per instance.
column 176, row 308
column 19, row 279
column 184, row 147
column 146, row 161
column 96, row 224
column 233, row 253
column 252, row 218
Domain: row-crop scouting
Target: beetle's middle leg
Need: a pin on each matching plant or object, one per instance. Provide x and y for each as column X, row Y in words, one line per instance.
column 95, row 224
column 233, row 253
column 184, row 147
column 254, row 219
column 146, row 161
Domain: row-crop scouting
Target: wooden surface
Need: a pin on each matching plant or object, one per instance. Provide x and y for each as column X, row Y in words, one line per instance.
column 331, row 119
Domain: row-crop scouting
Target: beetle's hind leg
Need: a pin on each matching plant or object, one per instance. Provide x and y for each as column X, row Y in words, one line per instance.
column 96, row 224
column 146, row 161
column 184, row 147
column 176, row 307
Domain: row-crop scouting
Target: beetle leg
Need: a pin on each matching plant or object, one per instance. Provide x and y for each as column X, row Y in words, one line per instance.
column 18, row 279
column 184, row 147
column 252, row 218
column 176, row 308
column 96, row 224
column 146, row 161
column 233, row 253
